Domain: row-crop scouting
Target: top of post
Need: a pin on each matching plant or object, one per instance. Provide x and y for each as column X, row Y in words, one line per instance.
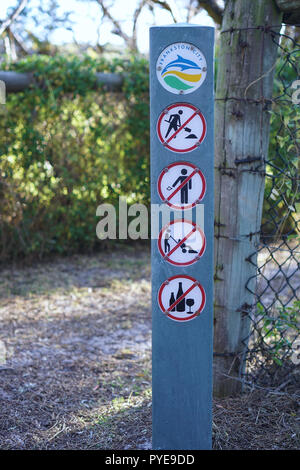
column 183, row 25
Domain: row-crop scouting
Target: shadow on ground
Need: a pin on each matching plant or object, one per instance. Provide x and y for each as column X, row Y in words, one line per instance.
column 77, row 371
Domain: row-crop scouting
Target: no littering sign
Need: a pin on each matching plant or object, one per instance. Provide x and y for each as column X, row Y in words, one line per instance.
column 181, row 185
column 181, row 298
column 181, row 127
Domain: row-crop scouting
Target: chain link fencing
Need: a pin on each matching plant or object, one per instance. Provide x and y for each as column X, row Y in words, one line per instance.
column 273, row 348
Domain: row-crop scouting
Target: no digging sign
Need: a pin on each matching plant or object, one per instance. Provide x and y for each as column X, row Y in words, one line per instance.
column 181, row 127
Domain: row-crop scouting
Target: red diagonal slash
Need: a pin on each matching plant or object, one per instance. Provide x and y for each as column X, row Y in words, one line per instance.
column 181, row 297
column 182, row 184
column 183, row 125
column 181, row 241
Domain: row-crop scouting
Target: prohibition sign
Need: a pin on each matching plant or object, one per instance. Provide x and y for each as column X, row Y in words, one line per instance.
column 181, row 127
column 181, row 242
column 181, row 298
column 181, row 185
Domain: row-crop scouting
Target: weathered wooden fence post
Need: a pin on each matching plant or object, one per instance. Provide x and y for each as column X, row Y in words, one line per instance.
column 247, row 58
column 182, row 141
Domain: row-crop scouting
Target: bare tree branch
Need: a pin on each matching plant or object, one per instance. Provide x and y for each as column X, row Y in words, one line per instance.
column 136, row 15
column 165, row 6
column 7, row 46
column 12, row 41
column 192, row 10
column 117, row 25
column 131, row 42
column 213, row 9
column 8, row 22
column 18, row 41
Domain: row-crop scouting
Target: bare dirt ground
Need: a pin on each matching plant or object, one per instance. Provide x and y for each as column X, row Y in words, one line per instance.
column 76, row 369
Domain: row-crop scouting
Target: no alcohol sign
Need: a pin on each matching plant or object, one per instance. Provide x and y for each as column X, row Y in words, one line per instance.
column 181, row 242
column 181, row 127
column 181, row 185
column 181, row 298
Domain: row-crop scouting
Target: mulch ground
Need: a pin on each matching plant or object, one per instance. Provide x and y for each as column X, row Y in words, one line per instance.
column 75, row 366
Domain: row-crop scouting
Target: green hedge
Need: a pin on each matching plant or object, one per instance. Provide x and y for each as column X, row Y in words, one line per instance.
column 66, row 148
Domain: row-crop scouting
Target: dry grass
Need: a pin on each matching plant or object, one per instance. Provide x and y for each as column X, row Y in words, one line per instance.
column 78, row 368
column 257, row 420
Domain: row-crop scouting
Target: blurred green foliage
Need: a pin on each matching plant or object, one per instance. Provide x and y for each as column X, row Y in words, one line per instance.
column 282, row 190
column 278, row 331
column 67, row 146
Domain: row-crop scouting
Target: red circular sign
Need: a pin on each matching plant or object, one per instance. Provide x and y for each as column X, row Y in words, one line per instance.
column 181, row 185
column 181, row 127
column 181, row 242
column 181, row 298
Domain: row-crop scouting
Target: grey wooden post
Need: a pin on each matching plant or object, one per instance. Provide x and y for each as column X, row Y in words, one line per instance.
column 182, row 342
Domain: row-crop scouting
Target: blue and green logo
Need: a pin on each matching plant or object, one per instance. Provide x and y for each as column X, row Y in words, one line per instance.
column 181, row 68
column 180, row 74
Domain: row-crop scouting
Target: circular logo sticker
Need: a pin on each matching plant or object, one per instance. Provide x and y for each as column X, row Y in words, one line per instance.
column 181, row 68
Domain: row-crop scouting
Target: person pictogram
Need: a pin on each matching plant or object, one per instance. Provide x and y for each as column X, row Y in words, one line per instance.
column 184, row 247
column 181, row 242
column 181, row 127
column 174, row 123
column 184, row 192
column 166, row 240
column 171, row 194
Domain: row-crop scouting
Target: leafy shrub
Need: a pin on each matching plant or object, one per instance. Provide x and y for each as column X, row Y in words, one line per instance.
column 67, row 146
column 279, row 331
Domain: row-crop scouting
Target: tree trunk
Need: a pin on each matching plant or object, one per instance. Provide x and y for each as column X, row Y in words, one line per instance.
column 246, row 65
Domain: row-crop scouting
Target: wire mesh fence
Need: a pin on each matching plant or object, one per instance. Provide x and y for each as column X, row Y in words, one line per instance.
column 273, row 347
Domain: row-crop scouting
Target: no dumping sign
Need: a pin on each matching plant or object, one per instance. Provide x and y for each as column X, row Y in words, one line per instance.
column 181, row 298
column 181, row 185
column 181, row 242
column 181, row 127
